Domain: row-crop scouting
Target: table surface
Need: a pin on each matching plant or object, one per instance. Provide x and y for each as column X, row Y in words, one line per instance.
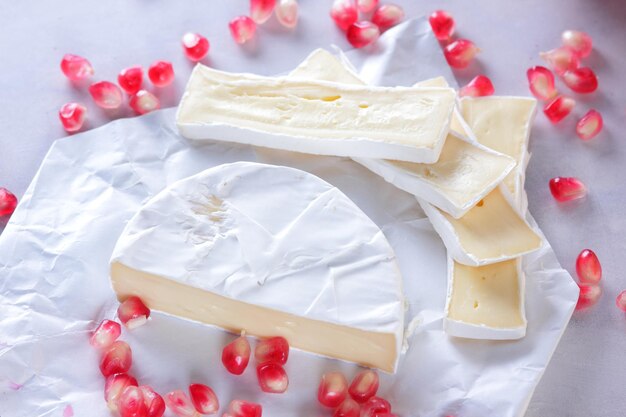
column 586, row 375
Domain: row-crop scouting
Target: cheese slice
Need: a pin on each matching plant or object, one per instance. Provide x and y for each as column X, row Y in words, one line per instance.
column 465, row 172
column 485, row 302
column 402, row 123
column 492, row 231
column 272, row 251
column 503, row 124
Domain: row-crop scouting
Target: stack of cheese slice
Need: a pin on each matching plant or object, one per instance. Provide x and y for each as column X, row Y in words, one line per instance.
column 489, row 234
column 270, row 251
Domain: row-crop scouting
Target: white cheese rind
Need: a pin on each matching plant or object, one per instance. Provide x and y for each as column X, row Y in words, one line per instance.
column 465, row 172
column 319, row 117
column 486, row 234
column 464, row 175
column 272, row 237
column 474, row 329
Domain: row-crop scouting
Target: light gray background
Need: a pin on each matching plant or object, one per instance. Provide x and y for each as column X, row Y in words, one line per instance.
column 586, row 377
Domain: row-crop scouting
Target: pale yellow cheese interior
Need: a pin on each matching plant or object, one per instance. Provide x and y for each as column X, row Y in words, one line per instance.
column 306, row 108
column 492, row 229
column 487, row 295
column 455, row 124
column 502, row 124
column 368, row 348
column 462, row 169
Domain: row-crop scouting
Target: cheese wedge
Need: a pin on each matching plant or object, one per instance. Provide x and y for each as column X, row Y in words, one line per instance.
column 465, row 172
column 402, row 123
column 503, row 124
column 272, row 251
column 485, row 302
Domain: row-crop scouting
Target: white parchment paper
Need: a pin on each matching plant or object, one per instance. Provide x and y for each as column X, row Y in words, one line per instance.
column 54, row 284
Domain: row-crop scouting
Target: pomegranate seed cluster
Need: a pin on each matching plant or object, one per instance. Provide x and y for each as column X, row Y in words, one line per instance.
column 459, row 53
column 122, row 392
column 130, row 80
column 361, row 33
column 270, row 354
column 243, row 28
column 565, row 62
column 355, row 400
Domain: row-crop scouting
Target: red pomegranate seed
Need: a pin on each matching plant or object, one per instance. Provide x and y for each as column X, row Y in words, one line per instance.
column 581, row 80
column 242, row 29
column 578, row 42
column 261, row 10
column 366, row 6
column 144, row 102
column 567, row 188
column 240, row 408
column 558, row 109
column 361, row 34
column 236, row 355
column 116, row 359
column 387, row 15
column 274, row 349
column 333, row 389
column 76, row 67
column 374, row 407
column 344, row 13
column 479, row 86
column 590, row 125
column 589, row 295
column 588, row 267
column 180, row 404
column 442, row 24
column 620, row 301
column 348, row 408
column 155, row 405
column 560, row 60
column 460, row 53
column 130, row 79
column 272, row 378
column 72, row 116
column 541, row 82
column 364, row 386
column 287, row 13
column 105, row 334
column 195, row 46
column 133, row 312
column 386, row 415
column 114, row 386
column 161, row 73
column 8, row 202
column 204, row 399
column 106, row 94
column 131, row 403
